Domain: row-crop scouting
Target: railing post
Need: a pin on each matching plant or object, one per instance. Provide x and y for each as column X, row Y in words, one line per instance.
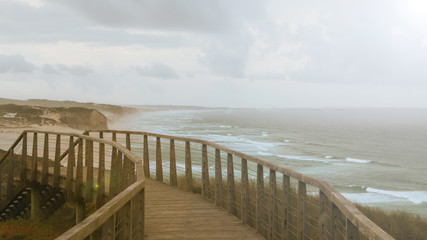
column 35, row 202
column 10, row 173
column 260, row 199
column 128, row 146
column 231, row 194
column 272, row 204
column 114, row 175
column 89, row 170
column 24, row 160
column 146, row 158
column 188, row 171
column 57, row 166
column 245, row 192
column 286, row 212
column 335, row 215
column 120, row 180
column 218, row 178
column 45, row 167
column 159, row 165
column 172, row 165
column 70, row 172
column 100, row 197
column 80, row 210
column 205, row 172
column 109, row 229
column 324, row 217
column 33, row 175
column 302, row 207
column 352, row 232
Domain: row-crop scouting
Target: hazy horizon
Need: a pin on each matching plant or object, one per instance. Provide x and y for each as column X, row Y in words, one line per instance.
column 251, row 54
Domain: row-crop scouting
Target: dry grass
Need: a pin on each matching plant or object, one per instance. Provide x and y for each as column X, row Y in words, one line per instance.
column 399, row 224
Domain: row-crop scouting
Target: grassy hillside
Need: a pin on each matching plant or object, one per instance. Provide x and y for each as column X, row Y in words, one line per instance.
column 13, row 116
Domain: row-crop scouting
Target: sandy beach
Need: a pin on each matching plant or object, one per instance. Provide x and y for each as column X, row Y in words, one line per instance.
column 9, row 135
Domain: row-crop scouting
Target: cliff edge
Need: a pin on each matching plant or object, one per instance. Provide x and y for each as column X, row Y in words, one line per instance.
column 13, row 116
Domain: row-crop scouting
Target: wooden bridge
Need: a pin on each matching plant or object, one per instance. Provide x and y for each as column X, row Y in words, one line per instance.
column 152, row 186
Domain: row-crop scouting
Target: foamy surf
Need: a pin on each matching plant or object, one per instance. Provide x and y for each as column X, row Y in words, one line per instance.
column 304, row 158
column 355, row 160
column 264, row 153
column 415, row 197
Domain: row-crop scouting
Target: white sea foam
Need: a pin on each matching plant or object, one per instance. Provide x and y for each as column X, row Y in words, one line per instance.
column 265, row 154
column 287, row 141
column 328, row 157
column 304, row 158
column 367, row 198
column 355, row 160
column 264, row 134
column 416, row 197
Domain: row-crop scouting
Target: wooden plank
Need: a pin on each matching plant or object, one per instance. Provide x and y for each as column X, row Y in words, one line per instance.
column 231, row 191
column 57, row 166
column 302, row 209
column 120, row 180
column 89, row 170
column 218, row 179
column 178, row 218
column 352, row 232
column 245, row 192
column 33, row 175
column 272, row 204
column 114, row 175
column 10, row 173
column 108, row 229
column 128, row 141
column 159, row 165
column 70, row 166
column 24, row 160
column 79, row 175
column 205, row 172
column 100, row 197
column 45, row 166
column 146, row 158
column 286, row 210
column 324, row 217
column 336, row 213
column 188, row 170
column 260, row 200
column 172, row 164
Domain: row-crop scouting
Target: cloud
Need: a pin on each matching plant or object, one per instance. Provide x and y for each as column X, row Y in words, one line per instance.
column 15, row 64
column 77, row 70
column 49, row 69
column 156, row 70
column 177, row 15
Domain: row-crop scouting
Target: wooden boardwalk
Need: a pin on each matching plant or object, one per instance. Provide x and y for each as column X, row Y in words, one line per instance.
column 172, row 213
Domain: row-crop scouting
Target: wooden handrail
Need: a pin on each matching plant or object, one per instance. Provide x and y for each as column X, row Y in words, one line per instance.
column 96, row 219
column 134, row 187
column 356, row 218
column 12, row 147
column 131, row 187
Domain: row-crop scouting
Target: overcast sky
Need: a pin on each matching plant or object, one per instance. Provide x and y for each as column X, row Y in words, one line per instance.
column 233, row 53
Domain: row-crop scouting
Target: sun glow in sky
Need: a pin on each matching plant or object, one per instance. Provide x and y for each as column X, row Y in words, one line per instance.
column 271, row 53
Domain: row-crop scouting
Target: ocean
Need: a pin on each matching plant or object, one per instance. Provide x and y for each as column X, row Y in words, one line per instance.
column 376, row 157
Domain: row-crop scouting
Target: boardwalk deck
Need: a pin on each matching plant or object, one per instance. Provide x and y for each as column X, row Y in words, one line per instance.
column 172, row 213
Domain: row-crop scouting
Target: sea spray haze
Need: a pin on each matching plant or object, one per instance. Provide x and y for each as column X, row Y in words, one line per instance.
column 373, row 156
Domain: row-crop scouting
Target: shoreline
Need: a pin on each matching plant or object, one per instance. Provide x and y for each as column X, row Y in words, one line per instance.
column 9, row 135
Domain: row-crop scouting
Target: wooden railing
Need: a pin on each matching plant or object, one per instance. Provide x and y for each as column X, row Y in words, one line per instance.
column 278, row 202
column 115, row 186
